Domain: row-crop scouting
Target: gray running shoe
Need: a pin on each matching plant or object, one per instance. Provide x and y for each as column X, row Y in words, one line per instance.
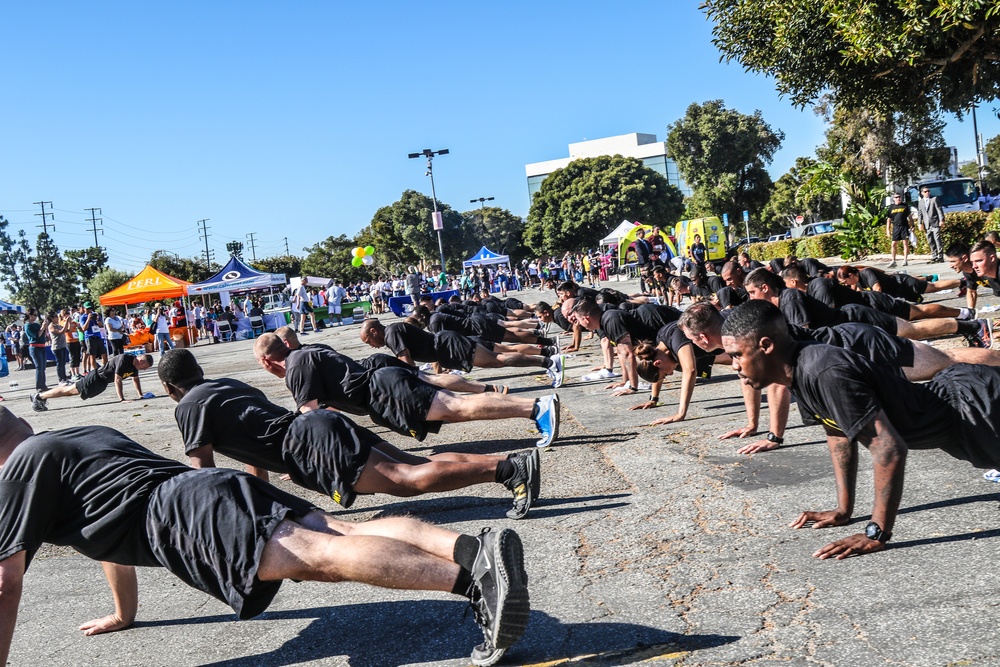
column 524, row 482
column 38, row 403
column 499, row 593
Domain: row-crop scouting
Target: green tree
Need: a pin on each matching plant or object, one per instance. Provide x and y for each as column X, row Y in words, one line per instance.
column 496, row 228
column 405, row 234
column 723, row 155
column 869, row 146
column 578, row 204
column 86, row 263
column 104, row 281
column 332, row 257
column 290, row 265
column 191, row 269
column 886, row 55
column 788, row 200
column 36, row 277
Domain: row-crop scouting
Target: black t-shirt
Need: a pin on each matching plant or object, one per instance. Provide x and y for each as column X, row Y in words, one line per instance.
column 122, row 365
column 314, row 373
column 451, row 309
column 803, row 310
column 832, row 293
column 445, row 322
column 881, row 348
column 402, row 337
column 582, row 291
column 237, row 420
column 703, row 291
column 673, row 338
column 698, row 252
column 777, row 265
column 640, row 323
column 715, row 283
column 899, row 214
column 87, row 488
column 730, row 297
column 845, row 391
column 813, row 268
column 561, row 320
column 869, row 278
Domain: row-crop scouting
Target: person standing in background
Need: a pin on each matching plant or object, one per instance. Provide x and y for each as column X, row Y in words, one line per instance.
column 930, row 215
column 57, row 334
column 35, row 335
column 74, row 336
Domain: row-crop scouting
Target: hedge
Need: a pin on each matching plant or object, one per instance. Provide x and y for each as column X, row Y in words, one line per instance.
column 966, row 227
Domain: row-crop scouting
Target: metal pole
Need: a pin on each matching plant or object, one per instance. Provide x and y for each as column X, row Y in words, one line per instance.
column 430, row 172
column 979, row 161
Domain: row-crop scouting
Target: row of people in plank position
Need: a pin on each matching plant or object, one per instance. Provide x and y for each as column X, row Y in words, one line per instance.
column 259, row 535
column 165, row 519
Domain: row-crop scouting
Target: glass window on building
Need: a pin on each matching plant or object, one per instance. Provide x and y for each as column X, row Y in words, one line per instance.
column 534, row 185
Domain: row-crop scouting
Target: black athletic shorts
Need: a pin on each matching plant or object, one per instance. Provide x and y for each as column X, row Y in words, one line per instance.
column 866, row 315
column 887, row 304
column 487, row 328
column 74, row 354
column 974, row 392
column 401, row 401
column 900, row 233
column 379, row 360
column 209, row 528
column 479, row 340
column 95, row 346
column 910, row 288
column 325, row 452
column 454, row 350
column 513, row 304
column 91, row 385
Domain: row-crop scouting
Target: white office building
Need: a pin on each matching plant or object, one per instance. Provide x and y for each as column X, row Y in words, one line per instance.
column 645, row 147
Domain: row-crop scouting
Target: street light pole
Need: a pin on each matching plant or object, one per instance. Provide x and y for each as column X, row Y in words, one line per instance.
column 436, row 218
column 482, row 208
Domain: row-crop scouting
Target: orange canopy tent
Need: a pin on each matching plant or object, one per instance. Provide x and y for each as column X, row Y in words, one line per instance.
column 148, row 285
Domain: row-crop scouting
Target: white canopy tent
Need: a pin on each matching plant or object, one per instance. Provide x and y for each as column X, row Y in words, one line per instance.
column 618, row 233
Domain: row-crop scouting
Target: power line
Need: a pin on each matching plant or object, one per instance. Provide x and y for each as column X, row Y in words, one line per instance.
column 253, row 248
column 204, row 233
column 44, row 225
column 93, row 223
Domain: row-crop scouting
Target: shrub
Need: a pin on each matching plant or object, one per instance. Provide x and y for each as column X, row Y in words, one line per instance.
column 823, row 245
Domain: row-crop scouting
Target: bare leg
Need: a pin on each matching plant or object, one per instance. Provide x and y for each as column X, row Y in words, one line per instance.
column 927, row 311
column 59, row 392
column 453, row 383
column 939, row 285
column 926, row 328
column 486, row 359
column 383, row 474
column 451, row 407
column 520, row 348
column 360, row 554
column 927, row 362
column 973, row 355
column 520, row 337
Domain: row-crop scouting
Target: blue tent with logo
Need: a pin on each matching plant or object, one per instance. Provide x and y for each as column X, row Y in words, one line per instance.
column 484, row 257
column 236, row 276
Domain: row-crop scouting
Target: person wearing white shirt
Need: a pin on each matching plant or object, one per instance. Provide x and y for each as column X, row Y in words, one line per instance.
column 335, row 296
column 303, row 304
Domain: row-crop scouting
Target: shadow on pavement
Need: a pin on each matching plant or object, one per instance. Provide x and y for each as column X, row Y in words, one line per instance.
column 473, row 508
column 395, row 633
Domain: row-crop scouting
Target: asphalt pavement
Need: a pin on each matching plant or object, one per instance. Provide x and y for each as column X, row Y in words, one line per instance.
column 657, row 544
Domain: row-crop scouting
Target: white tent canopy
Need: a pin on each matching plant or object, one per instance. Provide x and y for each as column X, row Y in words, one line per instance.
column 618, row 233
column 484, row 257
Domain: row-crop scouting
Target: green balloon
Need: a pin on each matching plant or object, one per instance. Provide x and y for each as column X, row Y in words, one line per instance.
column 369, row 250
column 356, row 261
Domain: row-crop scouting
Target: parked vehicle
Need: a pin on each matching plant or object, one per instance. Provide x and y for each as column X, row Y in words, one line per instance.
column 953, row 194
column 813, row 228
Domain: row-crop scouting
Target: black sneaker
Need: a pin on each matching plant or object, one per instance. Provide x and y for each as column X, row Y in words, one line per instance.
column 520, row 485
column 38, row 403
column 535, row 481
column 499, row 593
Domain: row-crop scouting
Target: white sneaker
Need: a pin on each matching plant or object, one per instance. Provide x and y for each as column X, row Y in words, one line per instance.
column 644, row 386
column 427, row 367
column 558, row 370
column 603, row 374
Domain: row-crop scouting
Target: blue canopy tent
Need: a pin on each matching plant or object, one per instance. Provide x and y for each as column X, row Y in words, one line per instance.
column 236, row 276
column 484, row 257
column 10, row 308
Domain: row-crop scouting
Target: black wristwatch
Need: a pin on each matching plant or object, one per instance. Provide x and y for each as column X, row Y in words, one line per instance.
column 771, row 437
column 873, row 531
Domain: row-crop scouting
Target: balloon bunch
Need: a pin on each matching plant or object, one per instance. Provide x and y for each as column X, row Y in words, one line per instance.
column 363, row 256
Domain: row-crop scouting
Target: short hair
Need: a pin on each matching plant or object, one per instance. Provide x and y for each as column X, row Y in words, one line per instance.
column 957, row 249
column 754, row 320
column 730, row 266
column 542, row 307
column 178, row 367
column 760, row 277
column 984, row 246
column 791, row 259
column 992, row 237
column 369, row 324
column 796, row 273
column 270, row 345
column 568, row 286
column 148, row 358
column 587, row 307
column 289, row 336
column 700, row 318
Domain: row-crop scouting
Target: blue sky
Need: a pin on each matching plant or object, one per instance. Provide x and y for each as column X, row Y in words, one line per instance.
column 293, row 120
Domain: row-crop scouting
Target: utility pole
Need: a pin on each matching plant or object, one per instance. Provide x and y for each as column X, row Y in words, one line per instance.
column 286, row 247
column 253, row 248
column 45, row 215
column 93, row 224
column 437, row 220
column 204, row 234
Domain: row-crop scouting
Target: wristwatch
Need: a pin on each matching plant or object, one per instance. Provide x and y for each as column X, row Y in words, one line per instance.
column 771, row 437
column 873, row 531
